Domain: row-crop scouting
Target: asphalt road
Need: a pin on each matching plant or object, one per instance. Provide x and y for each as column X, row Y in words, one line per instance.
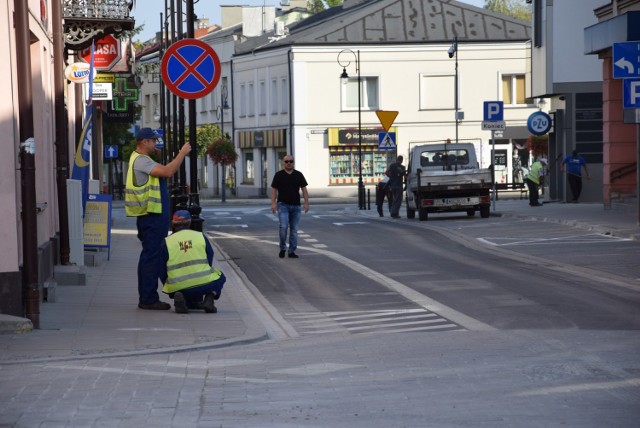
column 363, row 274
column 453, row 322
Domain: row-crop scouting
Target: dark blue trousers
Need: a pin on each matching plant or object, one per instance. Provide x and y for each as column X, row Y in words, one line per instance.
column 152, row 229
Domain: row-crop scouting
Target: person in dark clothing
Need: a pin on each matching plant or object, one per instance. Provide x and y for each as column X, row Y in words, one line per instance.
column 575, row 163
column 285, row 200
column 396, row 174
column 383, row 191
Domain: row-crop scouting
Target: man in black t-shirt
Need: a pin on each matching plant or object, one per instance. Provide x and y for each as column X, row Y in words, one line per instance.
column 285, row 199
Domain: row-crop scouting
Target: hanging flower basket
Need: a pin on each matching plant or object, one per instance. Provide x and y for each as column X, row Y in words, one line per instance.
column 538, row 145
column 221, row 151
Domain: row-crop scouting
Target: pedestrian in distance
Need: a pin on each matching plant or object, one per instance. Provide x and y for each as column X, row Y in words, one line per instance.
column 574, row 165
column 147, row 199
column 383, row 191
column 285, row 200
column 188, row 274
column 396, row 173
column 535, row 180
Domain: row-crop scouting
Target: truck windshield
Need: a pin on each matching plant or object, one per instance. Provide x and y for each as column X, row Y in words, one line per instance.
column 444, row 159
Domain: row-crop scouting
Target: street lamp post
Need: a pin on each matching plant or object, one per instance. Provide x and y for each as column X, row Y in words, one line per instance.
column 453, row 51
column 224, row 105
column 344, row 75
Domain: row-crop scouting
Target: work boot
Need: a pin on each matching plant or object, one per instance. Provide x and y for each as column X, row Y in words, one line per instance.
column 208, row 305
column 180, row 303
column 158, row 306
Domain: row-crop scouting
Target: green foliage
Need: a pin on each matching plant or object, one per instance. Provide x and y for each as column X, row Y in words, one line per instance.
column 205, row 134
column 316, row 6
column 514, row 8
column 221, row 150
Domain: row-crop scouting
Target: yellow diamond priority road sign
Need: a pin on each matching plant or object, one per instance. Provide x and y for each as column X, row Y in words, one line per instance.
column 386, row 118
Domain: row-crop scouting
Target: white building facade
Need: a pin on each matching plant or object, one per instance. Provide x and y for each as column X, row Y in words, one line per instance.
column 289, row 96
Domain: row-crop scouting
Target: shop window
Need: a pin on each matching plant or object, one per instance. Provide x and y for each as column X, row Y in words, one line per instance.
column 249, row 173
column 344, row 165
column 369, row 93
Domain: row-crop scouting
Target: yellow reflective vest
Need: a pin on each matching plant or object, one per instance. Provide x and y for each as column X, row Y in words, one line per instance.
column 188, row 266
column 141, row 199
column 534, row 173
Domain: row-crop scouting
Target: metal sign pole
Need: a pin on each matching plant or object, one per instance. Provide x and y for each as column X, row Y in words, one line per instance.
column 493, row 169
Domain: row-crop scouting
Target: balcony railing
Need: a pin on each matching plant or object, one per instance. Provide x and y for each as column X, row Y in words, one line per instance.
column 88, row 19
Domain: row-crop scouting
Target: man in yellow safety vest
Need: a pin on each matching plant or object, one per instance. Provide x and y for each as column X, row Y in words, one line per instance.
column 535, row 180
column 147, row 199
column 189, row 276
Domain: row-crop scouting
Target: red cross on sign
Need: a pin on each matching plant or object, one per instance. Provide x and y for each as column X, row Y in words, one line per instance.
column 190, row 68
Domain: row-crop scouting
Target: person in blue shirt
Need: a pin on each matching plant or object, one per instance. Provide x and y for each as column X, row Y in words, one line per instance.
column 574, row 164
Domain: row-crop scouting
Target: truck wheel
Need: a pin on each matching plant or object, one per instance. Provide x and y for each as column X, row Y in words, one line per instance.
column 411, row 213
column 485, row 211
column 471, row 213
column 423, row 214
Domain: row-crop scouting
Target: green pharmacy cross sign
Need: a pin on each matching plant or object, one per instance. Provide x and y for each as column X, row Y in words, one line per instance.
column 123, row 94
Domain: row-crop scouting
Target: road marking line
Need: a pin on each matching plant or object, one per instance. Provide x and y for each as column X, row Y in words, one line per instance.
column 407, row 292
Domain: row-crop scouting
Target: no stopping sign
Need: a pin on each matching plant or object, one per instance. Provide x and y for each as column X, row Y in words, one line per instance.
column 190, row 68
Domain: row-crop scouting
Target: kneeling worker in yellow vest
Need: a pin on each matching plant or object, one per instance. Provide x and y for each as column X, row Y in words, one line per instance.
column 188, row 276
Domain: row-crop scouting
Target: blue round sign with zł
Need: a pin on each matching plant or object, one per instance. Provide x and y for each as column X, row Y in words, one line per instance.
column 190, row 68
column 539, row 123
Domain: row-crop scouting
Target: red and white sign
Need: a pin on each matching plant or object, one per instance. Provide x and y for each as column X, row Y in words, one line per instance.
column 107, row 53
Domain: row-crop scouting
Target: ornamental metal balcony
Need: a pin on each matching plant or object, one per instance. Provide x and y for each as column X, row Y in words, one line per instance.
column 85, row 20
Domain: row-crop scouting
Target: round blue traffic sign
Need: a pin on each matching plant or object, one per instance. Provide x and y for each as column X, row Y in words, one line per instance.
column 190, row 68
column 539, row 123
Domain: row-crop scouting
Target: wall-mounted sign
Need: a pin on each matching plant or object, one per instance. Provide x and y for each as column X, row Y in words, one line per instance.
column 125, row 93
column 106, row 54
column 102, row 91
column 539, row 123
column 78, row 72
column 104, row 78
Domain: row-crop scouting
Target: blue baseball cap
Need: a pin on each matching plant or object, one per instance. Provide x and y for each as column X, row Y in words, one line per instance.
column 146, row 133
column 181, row 218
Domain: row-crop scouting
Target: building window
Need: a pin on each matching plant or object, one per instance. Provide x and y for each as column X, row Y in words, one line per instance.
column 248, row 167
column 284, row 98
column 262, row 98
column 369, row 93
column 243, row 101
column 274, row 96
column 251, row 105
column 513, row 92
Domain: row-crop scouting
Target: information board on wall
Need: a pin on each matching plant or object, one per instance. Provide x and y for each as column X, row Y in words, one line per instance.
column 97, row 222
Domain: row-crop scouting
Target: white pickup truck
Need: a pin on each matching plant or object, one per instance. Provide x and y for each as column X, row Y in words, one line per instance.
column 447, row 178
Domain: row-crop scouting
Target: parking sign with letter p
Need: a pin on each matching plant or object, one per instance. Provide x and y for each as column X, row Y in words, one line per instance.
column 493, row 111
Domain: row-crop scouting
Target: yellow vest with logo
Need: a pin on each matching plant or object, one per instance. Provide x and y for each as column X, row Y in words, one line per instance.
column 143, row 199
column 534, row 174
column 188, row 265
